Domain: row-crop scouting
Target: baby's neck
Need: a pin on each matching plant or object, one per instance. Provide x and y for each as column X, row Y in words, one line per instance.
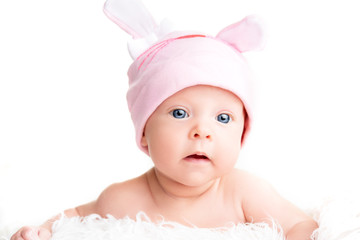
column 164, row 188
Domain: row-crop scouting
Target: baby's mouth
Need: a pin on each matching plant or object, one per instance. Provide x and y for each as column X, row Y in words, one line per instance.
column 197, row 157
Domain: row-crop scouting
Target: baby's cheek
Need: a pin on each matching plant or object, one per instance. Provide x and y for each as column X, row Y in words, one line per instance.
column 164, row 142
column 234, row 137
column 231, row 146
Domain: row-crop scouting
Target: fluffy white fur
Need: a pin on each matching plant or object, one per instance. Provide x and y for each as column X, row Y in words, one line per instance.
column 338, row 220
column 93, row 227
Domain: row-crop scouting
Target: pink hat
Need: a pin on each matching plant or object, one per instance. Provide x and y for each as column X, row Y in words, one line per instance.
column 167, row 63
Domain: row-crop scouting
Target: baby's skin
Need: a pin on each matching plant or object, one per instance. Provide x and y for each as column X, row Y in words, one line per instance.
column 194, row 140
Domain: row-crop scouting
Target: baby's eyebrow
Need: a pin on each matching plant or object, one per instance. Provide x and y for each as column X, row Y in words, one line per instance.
column 176, row 106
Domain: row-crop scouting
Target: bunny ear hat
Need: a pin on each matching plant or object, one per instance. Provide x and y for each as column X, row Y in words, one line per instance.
column 166, row 62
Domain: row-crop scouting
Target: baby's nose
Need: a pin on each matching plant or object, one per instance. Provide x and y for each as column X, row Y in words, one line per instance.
column 200, row 133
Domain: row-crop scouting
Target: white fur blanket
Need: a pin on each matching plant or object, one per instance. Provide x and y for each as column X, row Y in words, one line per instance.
column 338, row 220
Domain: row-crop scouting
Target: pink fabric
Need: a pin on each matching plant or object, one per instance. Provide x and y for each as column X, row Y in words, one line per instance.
column 246, row 35
column 177, row 63
column 181, row 60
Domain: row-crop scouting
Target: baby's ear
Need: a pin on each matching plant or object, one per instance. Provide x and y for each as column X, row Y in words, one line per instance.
column 246, row 35
column 144, row 141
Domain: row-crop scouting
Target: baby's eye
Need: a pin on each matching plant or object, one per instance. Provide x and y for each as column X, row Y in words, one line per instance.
column 179, row 113
column 224, row 118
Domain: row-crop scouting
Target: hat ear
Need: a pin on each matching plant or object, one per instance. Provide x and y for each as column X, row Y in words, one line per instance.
column 246, row 35
column 131, row 16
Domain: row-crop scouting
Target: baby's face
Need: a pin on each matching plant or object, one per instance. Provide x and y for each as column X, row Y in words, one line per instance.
column 195, row 135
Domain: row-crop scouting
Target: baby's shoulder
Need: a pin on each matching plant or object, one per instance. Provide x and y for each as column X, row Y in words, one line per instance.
column 244, row 181
column 119, row 197
column 240, row 175
column 121, row 188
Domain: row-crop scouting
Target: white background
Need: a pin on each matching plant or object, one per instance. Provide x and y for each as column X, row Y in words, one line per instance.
column 65, row 131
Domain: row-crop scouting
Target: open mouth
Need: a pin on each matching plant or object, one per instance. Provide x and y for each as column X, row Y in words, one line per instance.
column 197, row 157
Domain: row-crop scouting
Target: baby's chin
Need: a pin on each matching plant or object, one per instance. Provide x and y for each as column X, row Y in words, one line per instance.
column 197, row 180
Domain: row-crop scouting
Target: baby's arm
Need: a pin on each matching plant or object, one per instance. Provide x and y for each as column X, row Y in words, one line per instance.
column 110, row 201
column 100, row 206
column 302, row 230
column 262, row 203
column 43, row 232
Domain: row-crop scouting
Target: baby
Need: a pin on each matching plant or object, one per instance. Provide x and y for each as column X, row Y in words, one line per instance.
column 190, row 100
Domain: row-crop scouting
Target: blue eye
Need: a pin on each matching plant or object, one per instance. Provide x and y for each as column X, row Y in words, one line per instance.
column 179, row 113
column 224, row 118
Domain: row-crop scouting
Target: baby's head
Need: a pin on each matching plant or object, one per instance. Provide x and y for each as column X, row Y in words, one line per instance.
column 178, row 63
column 179, row 60
column 195, row 134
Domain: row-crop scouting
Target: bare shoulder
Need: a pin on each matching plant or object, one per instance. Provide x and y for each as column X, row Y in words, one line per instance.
column 245, row 180
column 261, row 202
column 118, row 199
column 245, row 186
column 253, row 189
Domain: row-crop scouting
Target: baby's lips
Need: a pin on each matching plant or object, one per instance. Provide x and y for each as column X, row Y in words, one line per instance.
column 197, row 156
